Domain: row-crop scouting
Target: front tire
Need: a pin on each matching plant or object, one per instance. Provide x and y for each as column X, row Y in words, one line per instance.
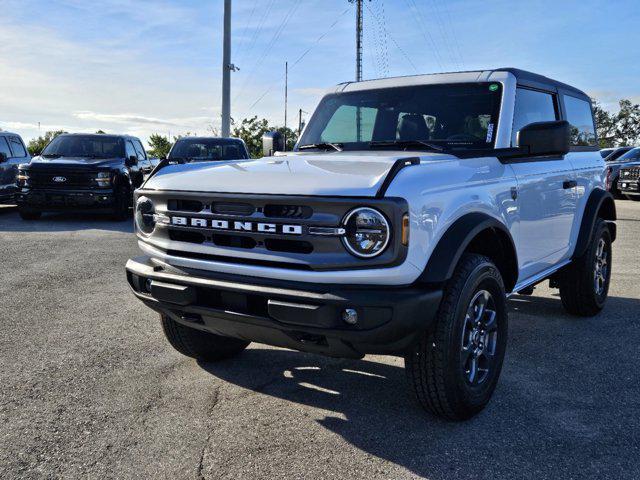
column 584, row 285
column 122, row 203
column 454, row 369
column 200, row 345
column 635, row 198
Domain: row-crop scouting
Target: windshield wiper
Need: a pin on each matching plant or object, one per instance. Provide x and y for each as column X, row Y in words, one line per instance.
column 406, row 144
column 323, row 146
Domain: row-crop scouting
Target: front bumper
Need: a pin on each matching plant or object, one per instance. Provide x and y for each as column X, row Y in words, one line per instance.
column 286, row 314
column 56, row 200
column 629, row 187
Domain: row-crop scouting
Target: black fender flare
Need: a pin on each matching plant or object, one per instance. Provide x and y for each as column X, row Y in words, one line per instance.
column 599, row 205
column 458, row 238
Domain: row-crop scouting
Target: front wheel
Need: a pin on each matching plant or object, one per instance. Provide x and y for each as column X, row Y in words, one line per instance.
column 454, row 369
column 198, row 344
column 122, row 203
column 635, row 198
column 584, row 285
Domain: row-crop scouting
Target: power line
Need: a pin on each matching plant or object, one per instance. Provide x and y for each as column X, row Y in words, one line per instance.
column 444, row 34
column 299, row 59
column 426, row 33
column 392, row 39
column 455, row 37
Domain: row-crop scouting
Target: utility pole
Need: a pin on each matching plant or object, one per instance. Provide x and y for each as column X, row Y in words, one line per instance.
column 358, row 40
column 286, row 86
column 226, row 72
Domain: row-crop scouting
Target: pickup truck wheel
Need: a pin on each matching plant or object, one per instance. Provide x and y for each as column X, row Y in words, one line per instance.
column 584, row 285
column 122, row 203
column 635, row 198
column 29, row 214
column 455, row 367
column 198, row 344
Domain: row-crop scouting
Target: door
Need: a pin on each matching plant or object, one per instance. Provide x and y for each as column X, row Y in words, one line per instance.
column 143, row 161
column 135, row 171
column 546, row 192
column 16, row 154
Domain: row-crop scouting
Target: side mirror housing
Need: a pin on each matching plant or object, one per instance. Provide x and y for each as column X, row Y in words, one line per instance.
column 272, row 142
column 131, row 161
column 3, row 157
column 545, row 138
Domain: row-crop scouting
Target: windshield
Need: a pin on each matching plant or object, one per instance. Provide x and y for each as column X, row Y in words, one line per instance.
column 453, row 115
column 631, row 156
column 88, row 146
column 207, row 149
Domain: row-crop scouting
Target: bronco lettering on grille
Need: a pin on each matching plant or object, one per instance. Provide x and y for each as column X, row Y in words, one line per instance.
column 238, row 226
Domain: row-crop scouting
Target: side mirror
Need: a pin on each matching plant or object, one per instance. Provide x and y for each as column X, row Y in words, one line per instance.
column 272, row 142
column 545, row 138
column 3, row 157
column 131, row 161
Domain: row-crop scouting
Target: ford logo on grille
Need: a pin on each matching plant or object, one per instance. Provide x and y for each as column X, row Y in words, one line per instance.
column 59, row 179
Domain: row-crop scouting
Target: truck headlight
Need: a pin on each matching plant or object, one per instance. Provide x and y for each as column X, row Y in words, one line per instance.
column 103, row 179
column 367, row 232
column 22, row 178
column 145, row 215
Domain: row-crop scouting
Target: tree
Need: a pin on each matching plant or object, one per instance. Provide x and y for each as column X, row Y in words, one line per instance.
column 159, row 146
column 101, row 132
column 36, row 145
column 252, row 129
column 621, row 128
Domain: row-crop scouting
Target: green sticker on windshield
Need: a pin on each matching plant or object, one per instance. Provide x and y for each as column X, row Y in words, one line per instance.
column 493, row 87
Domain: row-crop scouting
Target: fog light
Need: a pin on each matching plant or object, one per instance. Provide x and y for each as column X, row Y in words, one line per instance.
column 147, row 285
column 350, row 316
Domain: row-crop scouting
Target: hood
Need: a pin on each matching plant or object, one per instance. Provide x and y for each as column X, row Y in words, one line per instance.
column 75, row 162
column 357, row 174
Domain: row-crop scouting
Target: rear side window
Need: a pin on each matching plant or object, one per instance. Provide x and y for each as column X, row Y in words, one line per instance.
column 4, row 147
column 532, row 106
column 17, row 148
column 580, row 117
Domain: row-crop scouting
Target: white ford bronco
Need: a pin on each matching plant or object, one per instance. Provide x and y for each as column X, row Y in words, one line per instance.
column 409, row 211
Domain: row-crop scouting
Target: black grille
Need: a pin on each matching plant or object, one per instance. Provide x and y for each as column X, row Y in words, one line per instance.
column 71, row 179
column 630, row 174
column 185, row 205
column 287, row 211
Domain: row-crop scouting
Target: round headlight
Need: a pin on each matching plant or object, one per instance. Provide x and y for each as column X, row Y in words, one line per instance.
column 145, row 215
column 367, row 232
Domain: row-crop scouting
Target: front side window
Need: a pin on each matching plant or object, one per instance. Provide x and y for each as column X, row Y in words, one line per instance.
column 580, row 117
column 85, row 146
column 17, row 148
column 451, row 115
column 131, row 152
column 139, row 149
column 4, row 147
column 207, row 149
column 531, row 106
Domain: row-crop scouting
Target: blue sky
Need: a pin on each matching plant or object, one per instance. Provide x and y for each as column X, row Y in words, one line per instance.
column 149, row 66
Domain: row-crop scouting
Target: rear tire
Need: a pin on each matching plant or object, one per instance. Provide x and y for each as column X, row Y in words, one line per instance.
column 29, row 214
column 200, row 345
column 454, row 369
column 584, row 285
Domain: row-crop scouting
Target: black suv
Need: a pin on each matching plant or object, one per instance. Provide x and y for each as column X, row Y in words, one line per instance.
column 83, row 172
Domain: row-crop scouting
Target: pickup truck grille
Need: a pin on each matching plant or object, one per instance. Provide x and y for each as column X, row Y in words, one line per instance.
column 283, row 232
column 632, row 173
column 61, row 179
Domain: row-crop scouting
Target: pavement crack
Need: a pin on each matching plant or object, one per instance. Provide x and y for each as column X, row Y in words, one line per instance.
column 214, row 402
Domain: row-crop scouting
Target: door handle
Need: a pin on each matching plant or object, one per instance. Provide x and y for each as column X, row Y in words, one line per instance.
column 567, row 184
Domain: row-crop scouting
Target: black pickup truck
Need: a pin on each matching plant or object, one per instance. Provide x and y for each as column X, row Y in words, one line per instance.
column 83, row 173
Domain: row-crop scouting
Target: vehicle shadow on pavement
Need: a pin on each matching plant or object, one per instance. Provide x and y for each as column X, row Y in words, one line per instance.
column 10, row 221
column 544, row 421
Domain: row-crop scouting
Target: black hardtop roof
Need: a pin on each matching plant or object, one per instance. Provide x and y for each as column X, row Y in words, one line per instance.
column 536, row 80
column 112, row 135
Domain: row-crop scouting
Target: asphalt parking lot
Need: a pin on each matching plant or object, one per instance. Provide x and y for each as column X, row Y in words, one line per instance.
column 90, row 388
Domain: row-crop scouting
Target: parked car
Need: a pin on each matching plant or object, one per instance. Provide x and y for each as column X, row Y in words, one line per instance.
column 198, row 149
column 408, row 212
column 629, row 181
column 83, row 173
column 13, row 152
column 616, row 160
